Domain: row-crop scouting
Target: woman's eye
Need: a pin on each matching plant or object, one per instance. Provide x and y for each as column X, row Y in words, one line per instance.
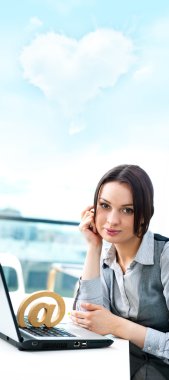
column 128, row 210
column 104, row 205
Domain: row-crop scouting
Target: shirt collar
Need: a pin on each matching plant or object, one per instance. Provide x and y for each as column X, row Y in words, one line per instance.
column 144, row 255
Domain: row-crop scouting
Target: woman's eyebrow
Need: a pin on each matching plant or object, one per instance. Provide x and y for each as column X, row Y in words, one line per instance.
column 124, row 205
column 128, row 204
column 105, row 200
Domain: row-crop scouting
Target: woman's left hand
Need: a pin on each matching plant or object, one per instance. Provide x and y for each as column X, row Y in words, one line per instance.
column 96, row 318
column 100, row 320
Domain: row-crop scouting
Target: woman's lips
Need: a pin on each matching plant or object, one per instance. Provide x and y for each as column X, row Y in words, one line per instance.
column 112, row 232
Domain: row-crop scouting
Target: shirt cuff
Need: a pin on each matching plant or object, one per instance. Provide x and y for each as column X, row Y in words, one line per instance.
column 155, row 343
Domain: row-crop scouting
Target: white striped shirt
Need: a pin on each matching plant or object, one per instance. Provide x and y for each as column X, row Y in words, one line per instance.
column 126, row 289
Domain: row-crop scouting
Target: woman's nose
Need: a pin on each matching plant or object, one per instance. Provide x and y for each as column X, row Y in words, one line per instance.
column 113, row 217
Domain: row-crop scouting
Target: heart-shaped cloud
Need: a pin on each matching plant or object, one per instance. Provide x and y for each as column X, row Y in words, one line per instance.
column 70, row 71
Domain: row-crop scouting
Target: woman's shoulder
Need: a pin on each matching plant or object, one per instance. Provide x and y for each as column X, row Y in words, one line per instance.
column 162, row 246
column 160, row 237
column 156, row 242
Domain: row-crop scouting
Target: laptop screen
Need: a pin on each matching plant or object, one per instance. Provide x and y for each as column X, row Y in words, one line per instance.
column 8, row 324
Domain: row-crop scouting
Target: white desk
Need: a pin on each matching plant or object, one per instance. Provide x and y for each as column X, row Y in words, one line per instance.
column 102, row 363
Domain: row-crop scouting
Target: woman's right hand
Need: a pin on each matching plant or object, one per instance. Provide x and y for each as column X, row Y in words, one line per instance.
column 88, row 227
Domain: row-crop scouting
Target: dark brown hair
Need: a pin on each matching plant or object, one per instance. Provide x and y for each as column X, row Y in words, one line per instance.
column 142, row 192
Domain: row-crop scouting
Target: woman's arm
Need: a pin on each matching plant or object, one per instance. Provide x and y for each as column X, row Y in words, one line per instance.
column 157, row 343
column 90, row 288
column 102, row 321
column 91, row 268
column 87, row 226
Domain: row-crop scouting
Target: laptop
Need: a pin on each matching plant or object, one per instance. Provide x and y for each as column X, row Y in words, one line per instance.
column 65, row 336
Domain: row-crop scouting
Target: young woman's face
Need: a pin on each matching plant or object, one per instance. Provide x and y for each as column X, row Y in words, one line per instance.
column 115, row 213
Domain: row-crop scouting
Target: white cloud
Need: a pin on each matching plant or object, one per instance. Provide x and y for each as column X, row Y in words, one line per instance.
column 76, row 127
column 143, row 73
column 72, row 72
column 35, row 22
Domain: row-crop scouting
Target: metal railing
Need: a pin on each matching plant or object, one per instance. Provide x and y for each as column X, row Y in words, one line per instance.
column 37, row 220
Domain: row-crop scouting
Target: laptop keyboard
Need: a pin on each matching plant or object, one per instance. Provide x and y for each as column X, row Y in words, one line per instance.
column 44, row 331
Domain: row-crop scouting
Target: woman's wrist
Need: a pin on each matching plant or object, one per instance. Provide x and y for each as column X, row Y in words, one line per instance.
column 129, row 330
column 91, row 267
column 94, row 249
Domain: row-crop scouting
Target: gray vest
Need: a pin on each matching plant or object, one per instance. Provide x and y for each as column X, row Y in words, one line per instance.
column 153, row 311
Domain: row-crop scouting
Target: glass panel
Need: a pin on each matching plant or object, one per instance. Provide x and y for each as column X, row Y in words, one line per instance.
column 11, row 278
column 40, row 243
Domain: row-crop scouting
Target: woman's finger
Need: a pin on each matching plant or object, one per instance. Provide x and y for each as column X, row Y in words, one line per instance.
column 86, row 210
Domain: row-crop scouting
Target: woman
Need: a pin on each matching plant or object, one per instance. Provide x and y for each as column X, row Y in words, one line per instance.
column 124, row 289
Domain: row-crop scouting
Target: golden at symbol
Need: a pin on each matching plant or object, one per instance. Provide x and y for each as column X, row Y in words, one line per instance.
column 47, row 308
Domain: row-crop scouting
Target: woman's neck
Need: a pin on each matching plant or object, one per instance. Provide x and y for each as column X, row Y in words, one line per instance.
column 126, row 252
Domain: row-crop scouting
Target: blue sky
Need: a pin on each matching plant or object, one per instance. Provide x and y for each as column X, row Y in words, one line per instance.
column 84, row 87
